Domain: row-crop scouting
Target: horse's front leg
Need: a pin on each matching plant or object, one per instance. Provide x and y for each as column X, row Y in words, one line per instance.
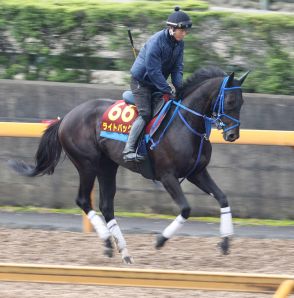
column 206, row 183
column 173, row 187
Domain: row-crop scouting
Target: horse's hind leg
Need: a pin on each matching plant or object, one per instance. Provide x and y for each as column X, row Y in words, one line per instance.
column 107, row 186
column 87, row 178
column 206, row 183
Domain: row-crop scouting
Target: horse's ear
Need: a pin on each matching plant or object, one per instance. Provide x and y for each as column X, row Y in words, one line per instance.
column 230, row 79
column 242, row 79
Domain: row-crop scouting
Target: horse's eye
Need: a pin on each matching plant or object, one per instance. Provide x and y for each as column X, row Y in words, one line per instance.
column 230, row 102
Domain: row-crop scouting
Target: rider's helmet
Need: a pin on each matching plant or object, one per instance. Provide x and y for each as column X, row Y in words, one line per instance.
column 179, row 20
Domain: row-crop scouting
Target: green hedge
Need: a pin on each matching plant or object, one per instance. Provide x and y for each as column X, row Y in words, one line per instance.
column 62, row 40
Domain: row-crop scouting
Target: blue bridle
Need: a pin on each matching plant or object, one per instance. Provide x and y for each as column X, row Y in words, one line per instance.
column 217, row 114
column 218, row 110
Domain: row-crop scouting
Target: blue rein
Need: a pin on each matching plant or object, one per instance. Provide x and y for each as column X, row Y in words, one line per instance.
column 217, row 112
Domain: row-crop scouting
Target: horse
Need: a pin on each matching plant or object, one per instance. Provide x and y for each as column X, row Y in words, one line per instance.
column 209, row 96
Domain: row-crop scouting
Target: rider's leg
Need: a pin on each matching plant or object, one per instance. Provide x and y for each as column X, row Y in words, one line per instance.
column 142, row 96
column 130, row 148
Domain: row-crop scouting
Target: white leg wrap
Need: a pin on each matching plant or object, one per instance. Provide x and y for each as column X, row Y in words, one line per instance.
column 226, row 224
column 98, row 225
column 125, row 253
column 174, row 227
column 117, row 234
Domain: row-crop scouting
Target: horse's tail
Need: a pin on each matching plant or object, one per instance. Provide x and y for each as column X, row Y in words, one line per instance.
column 47, row 155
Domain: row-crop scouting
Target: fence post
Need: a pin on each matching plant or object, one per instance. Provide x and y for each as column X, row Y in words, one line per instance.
column 284, row 289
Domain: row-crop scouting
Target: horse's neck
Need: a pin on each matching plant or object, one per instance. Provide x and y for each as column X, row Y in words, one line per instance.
column 201, row 99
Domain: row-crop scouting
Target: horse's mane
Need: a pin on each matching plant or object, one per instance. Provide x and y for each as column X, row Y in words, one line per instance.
column 198, row 77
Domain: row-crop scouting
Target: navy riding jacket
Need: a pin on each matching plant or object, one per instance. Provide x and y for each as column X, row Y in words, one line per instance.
column 160, row 57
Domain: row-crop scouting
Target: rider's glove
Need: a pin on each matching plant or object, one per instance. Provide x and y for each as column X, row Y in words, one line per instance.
column 169, row 96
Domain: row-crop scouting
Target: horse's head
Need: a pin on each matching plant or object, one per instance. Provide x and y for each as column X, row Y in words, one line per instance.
column 227, row 106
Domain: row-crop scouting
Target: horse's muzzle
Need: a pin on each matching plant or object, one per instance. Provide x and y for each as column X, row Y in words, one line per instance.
column 231, row 135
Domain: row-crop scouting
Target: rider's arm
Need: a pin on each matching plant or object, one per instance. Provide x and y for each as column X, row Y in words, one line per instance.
column 177, row 71
column 153, row 66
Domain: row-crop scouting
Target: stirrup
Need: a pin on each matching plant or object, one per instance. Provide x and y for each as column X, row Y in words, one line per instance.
column 133, row 156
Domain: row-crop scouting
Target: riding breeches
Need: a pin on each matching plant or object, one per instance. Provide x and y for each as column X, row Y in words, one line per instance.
column 142, row 97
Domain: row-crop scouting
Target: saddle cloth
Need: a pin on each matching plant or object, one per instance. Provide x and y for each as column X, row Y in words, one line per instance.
column 117, row 121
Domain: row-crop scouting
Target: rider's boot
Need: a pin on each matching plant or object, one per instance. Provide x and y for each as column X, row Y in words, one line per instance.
column 129, row 153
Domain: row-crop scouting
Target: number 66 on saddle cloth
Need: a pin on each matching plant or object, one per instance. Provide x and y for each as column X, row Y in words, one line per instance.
column 117, row 121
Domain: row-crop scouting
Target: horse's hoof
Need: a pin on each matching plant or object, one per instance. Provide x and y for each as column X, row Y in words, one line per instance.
column 128, row 260
column 225, row 245
column 108, row 250
column 160, row 241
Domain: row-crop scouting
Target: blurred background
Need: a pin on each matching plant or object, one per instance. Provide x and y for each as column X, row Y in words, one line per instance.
column 57, row 54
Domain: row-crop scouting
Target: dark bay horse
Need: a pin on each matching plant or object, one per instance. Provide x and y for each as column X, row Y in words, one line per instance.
column 209, row 96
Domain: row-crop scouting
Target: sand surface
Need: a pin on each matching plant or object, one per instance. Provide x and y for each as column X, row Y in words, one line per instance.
column 181, row 253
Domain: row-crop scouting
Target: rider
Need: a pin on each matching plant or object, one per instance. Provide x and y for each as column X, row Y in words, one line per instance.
column 161, row 56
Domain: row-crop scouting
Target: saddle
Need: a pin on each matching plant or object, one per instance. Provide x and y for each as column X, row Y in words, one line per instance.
column 156, row 99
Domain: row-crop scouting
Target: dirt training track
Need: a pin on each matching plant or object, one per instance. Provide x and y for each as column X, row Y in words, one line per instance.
column 248, row 255
column 181, row 253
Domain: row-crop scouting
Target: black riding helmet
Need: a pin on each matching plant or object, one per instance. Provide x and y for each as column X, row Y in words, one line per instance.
column 179, row 19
